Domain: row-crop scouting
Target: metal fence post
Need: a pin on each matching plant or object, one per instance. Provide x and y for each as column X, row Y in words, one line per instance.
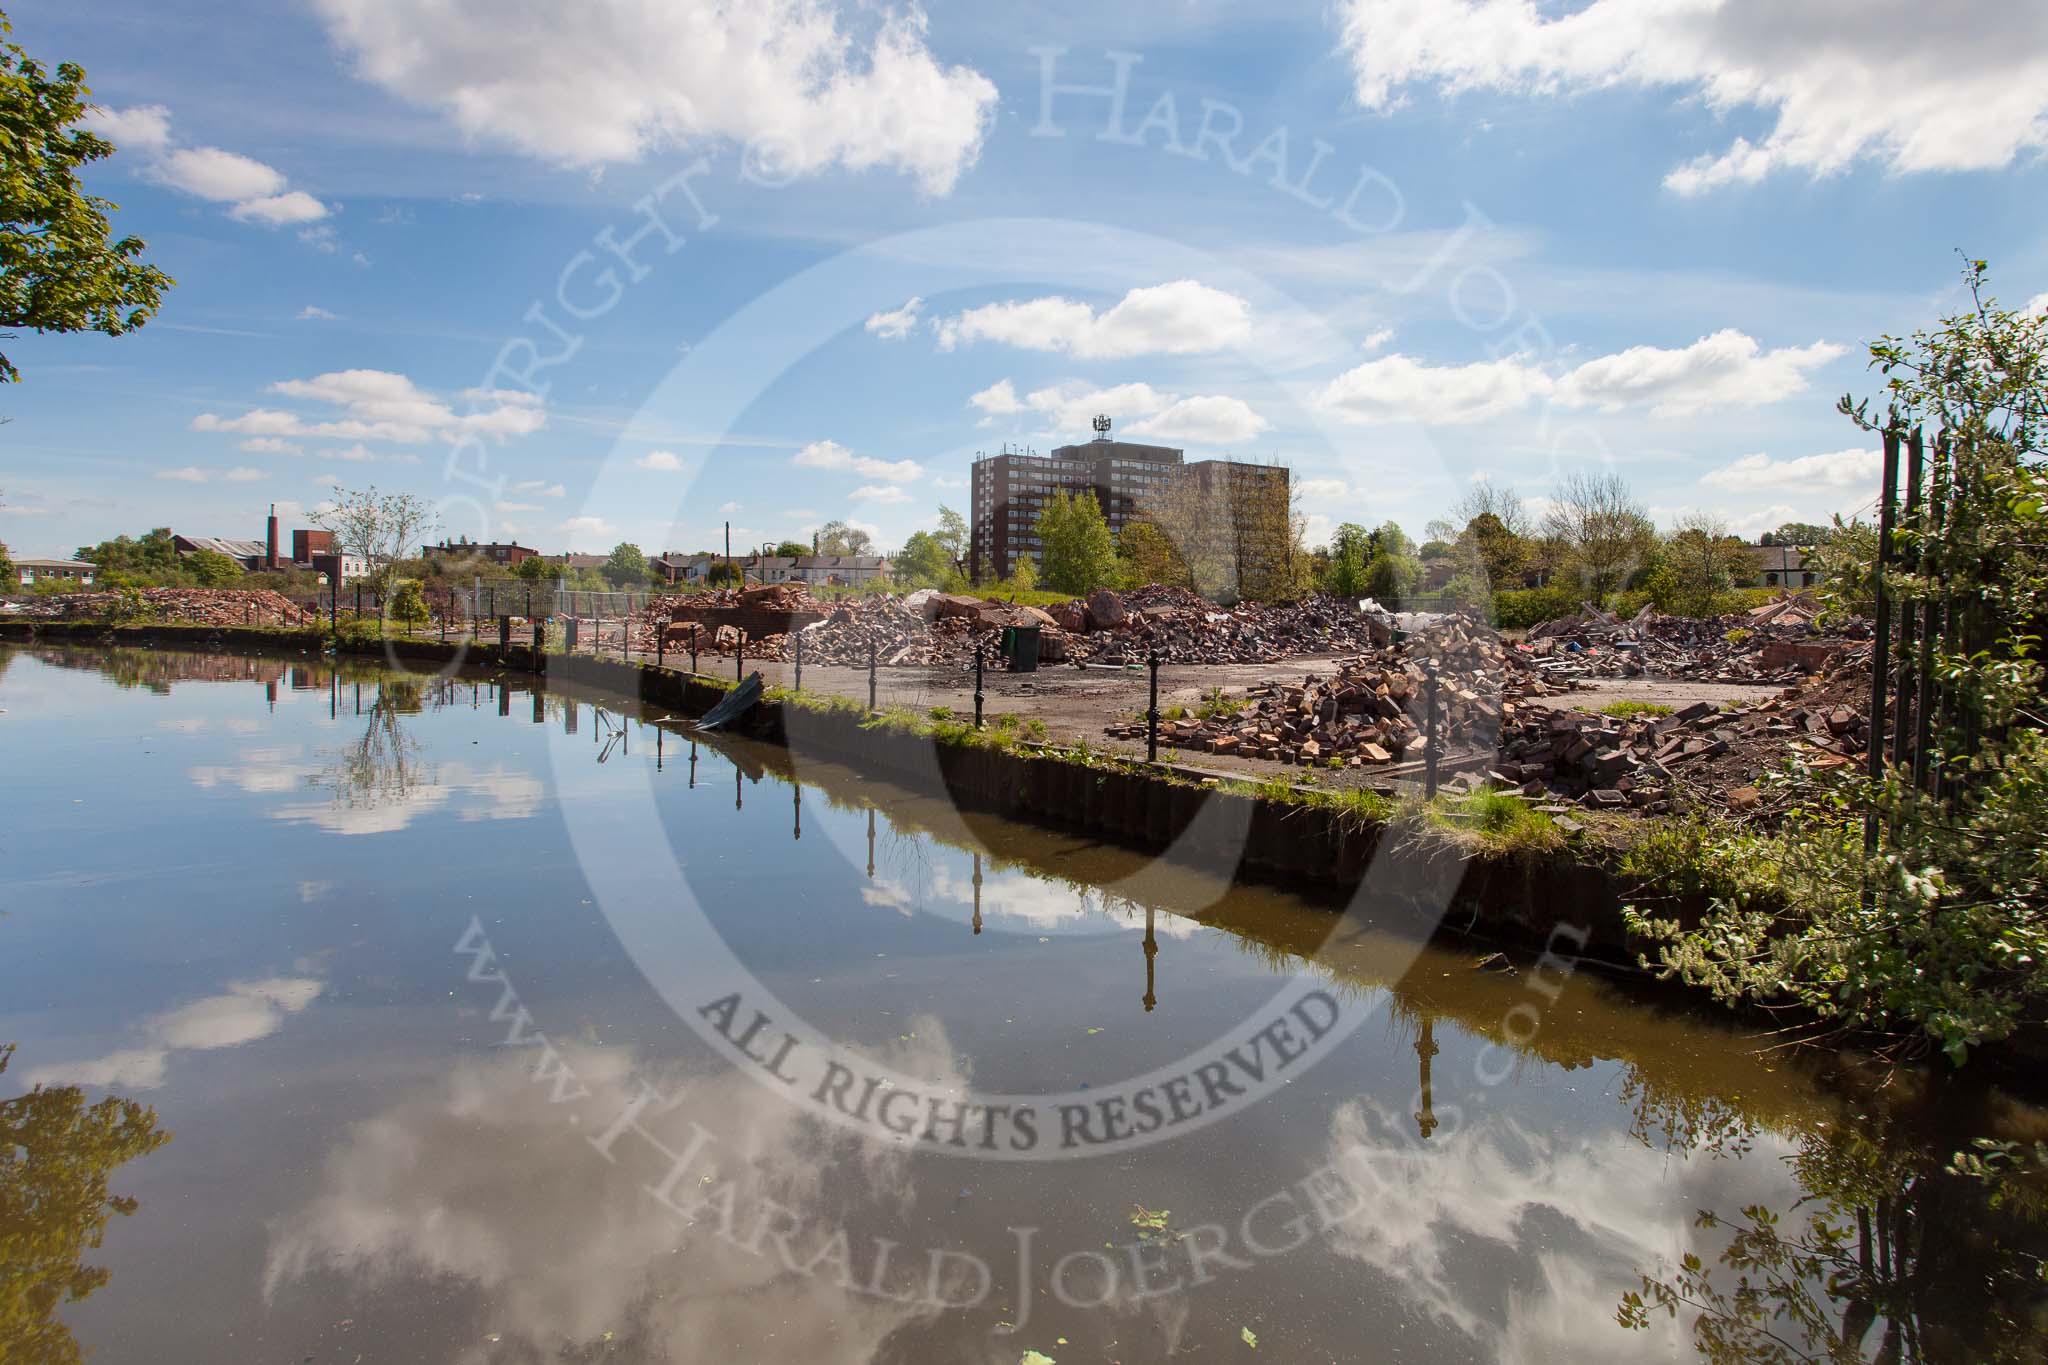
column 693, row 649
column 1429, row 744
column 871, row 675
column 334, row 610
column 540, row 639
column 739, row 658
column 359, row 601
column 1152, row 713
column 661, row 645
column 504, row 633
column 978, row 651
column 1881, row 614
column 799, row 684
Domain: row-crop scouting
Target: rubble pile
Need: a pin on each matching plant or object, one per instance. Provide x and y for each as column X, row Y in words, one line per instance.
column 1702, row 753
column 923, row 629
column 1125, row 628
column 171, row 606
column 1373, row 710
column 1777, row 642
column 926, row 627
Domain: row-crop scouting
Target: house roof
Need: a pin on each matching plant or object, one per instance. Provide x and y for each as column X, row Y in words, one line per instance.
column 55, row 564
column 226, row 545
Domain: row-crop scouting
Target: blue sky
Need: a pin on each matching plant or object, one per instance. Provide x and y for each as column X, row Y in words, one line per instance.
column 1427, row 241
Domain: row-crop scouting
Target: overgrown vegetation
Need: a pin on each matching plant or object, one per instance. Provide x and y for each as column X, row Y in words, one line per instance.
column 1939, row 936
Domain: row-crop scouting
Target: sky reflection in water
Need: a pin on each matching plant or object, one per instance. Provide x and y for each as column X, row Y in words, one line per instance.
column 234, row 890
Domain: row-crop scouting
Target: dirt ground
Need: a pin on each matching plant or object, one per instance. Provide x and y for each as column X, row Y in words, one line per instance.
column 1074, row 704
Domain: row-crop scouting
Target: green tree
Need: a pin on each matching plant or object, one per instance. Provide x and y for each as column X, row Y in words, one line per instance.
column 534, row 569
column 1703, row 560
column 1076, row 552
column 792, row 549
column 1390, row 579
column 379, row 528
column 408, row 603
column 922, row 562
column 953, row 538
column 838, row 538
column 61, row 270
column 56, row 1156
column 724, row 571
column 1489, row 548
column 1350, row 552
column 1797, row 533
column 212, row 569
column 1941, row 933
column 627, row 566
column 151, row 554
column 1023, row 575
column 1606, row 528
column 1149, row 555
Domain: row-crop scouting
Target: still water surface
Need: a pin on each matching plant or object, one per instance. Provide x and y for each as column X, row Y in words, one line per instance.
column 331, row 927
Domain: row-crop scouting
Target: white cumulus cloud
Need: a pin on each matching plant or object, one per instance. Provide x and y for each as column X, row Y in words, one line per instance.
column 881, row 494
column 895, row 324
column 1205, row 419
column 1904, row 84
column 1182, row 317
column 1838, row 471
column 613, row 80
column 378, row 405
column 143, row 128
column 997, row 400
column 832, row 455
column 253, row 191
column 663, row 460
column 1728, row 368
column 1402, row 388
column 187, row 474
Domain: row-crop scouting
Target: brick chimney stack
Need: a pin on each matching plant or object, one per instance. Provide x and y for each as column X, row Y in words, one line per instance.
column 270, row 540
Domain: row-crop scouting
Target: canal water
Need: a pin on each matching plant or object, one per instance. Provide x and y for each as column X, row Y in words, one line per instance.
column 364, row 1016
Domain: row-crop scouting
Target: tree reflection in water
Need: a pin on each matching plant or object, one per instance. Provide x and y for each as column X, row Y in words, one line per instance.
column 56, row 1155
column 384, row 767
column 1893, row 1254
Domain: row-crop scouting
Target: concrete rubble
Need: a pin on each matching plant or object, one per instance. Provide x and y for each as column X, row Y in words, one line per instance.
column 172, row 606
column 1779, row 642
column 928, row 628
column 1698, row 754
column 1373, row 710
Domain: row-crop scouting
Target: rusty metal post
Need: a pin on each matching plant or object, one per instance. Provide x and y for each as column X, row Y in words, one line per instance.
column 1881, row 642
column 977, row 684
column 540, row 639
column 871, row 675
column 504, row 633
column 661, row 645
column 1429, row 747
column 1152, row 713
column 739, row 657
column 799, row 685
column 570, row 642
column 693, row 649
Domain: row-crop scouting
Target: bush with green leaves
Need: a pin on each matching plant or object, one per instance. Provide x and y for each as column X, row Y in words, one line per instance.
column 1940, row 936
